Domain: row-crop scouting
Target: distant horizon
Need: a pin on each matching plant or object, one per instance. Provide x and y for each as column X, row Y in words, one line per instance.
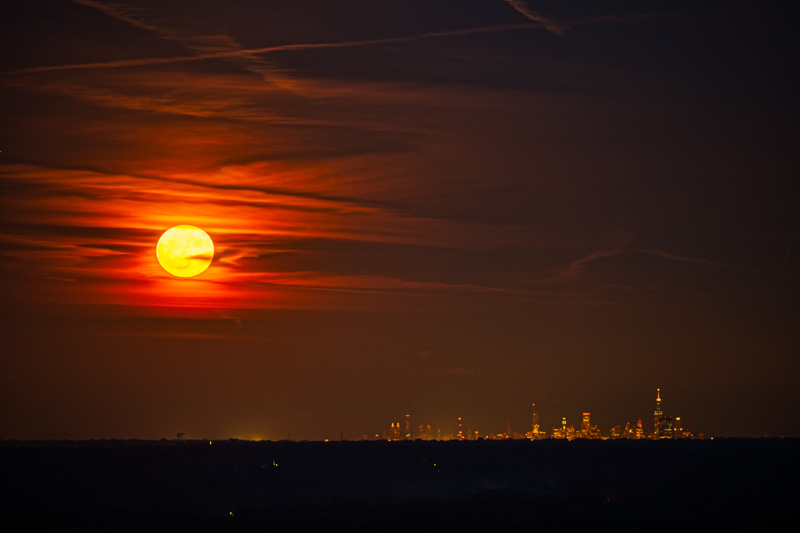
column 349, row 439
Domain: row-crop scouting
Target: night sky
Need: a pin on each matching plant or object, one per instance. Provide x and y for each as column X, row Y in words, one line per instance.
column 453, row 207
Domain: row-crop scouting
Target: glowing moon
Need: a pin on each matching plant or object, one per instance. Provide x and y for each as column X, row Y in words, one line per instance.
column 185, row 251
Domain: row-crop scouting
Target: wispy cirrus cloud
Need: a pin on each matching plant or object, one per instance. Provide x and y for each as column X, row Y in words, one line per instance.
column 87, row 240
column 523, row 7
column 573, row 270
column 380, row 167
column 695, row 260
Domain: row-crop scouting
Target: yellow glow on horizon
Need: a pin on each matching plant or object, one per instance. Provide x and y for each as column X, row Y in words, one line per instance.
column 185, row 251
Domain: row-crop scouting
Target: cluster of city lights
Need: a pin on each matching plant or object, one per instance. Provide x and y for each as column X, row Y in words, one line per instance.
column 663, row 427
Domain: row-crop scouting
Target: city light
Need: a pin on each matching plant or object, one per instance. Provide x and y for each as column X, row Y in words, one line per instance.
column 664, row 427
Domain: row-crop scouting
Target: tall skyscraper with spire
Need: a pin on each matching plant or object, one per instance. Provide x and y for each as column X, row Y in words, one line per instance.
column 657, row 414
column 535, row 432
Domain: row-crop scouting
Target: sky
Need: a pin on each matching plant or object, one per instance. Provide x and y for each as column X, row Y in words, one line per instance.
column 443, row 208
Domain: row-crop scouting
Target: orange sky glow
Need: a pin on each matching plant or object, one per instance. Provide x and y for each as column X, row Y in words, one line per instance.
column 563, row 205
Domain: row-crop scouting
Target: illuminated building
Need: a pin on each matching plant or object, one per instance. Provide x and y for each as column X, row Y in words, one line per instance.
column 586, row 424
column 564, row 432
column 679, row 433
column 639, row 430
column 588, row 431
column 629, row 432
column 560, row 433
column 424, row 432
column 535, row 432
column 666, row 428
column 657, row 414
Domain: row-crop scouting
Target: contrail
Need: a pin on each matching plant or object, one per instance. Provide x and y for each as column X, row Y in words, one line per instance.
column 247, row 52
column 119, row 12
column 200, row 44
column 530, row 14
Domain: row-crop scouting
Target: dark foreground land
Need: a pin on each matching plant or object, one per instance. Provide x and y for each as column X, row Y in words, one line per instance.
column 725, row 484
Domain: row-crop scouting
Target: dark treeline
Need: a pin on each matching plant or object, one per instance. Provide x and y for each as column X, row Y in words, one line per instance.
column 398, row 486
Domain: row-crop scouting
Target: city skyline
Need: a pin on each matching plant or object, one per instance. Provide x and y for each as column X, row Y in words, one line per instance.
column 662, row 427
column 437, row 207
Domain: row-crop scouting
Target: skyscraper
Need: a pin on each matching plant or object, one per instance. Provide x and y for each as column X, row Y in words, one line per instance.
column 535, row 432
column 657, row 414
column 666, row 428
column 588, row 431
column 564, row 432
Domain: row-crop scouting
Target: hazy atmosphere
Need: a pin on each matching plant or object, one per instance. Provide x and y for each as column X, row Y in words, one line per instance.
column 443, row 208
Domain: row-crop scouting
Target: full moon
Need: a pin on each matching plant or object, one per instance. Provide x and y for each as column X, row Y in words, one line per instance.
column 185, row 251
